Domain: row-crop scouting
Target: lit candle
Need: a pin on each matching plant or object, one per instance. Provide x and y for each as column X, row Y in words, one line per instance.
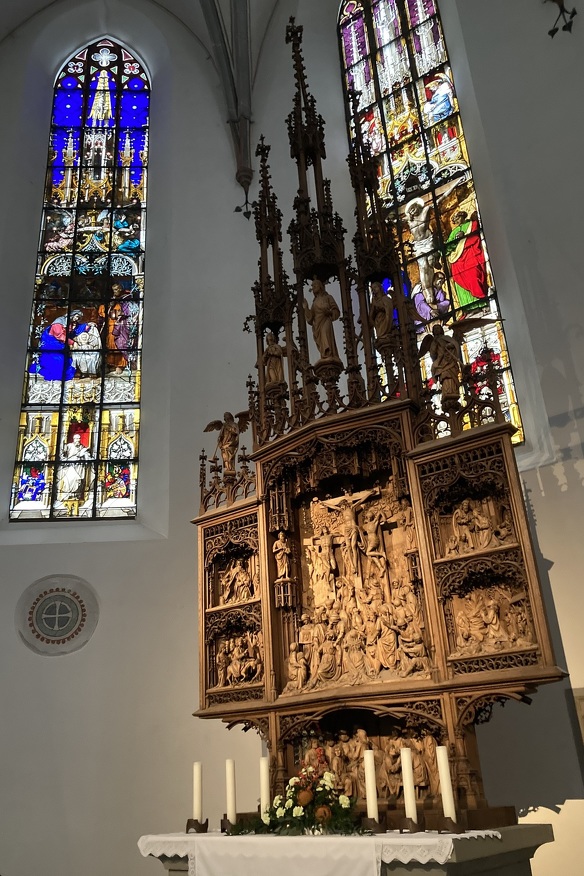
column 264, row 784
column 445, row 783
column 230, row 789
column 198, row 791
column 408, row 784
column 370, row 785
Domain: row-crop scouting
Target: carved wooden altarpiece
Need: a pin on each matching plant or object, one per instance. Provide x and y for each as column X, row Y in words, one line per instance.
column 372, row 582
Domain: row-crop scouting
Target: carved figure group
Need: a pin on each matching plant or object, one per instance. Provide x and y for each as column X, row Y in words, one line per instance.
column 488, row 622
column 235, row 583
column 240, row 659
column 473, row 528
column 358, row 636
column 343, row 756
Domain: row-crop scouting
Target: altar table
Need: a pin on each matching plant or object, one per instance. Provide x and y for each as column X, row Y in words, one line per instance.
column 505, row 852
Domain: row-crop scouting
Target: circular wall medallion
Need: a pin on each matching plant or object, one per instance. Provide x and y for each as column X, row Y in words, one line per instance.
column 57, row 614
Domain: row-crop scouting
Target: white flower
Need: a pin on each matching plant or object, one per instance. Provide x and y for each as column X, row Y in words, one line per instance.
column 293, row 781
column 327, row 781
column 344, row 801
column 309, row 769
column 266, row 818
column 280, row 813
column 277, row 801
column 289, row 804
column 298, row 811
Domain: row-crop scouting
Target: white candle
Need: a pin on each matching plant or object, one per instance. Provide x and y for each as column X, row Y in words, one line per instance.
column 370, row 785
column 408, row 784
column 198, row 791
column 445, row 783
column 264, row 784
column 231, row 808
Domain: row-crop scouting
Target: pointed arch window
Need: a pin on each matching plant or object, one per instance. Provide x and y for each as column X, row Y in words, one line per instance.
column 394, row 56
column 77, row 452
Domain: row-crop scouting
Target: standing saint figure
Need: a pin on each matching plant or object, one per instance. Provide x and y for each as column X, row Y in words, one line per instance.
column 282, row 553
column 122, row 328
column 72, row 472
column 273, row 360
column 321, row 316
column 381, row 311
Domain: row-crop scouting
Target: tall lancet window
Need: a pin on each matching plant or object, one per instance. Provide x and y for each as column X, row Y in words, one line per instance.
column 394, row 56
column 77, row 453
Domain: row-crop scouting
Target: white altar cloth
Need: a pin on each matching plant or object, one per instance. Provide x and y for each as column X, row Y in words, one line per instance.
column 214, row 854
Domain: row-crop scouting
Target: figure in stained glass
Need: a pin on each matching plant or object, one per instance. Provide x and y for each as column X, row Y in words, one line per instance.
column 418, row 216
column 117, row 482
column 32, row 484
column 440, row 304
column 73, row 472
column 466, row 258
column 122, row 328
column 130, row 239
column 440, row 103
column 85, row 351
column 54, row 362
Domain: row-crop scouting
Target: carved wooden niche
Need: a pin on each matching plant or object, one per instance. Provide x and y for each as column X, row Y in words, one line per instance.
column 234, row 641
column 479, row 564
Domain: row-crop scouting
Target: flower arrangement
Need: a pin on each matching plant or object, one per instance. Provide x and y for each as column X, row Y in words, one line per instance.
column 311, row 804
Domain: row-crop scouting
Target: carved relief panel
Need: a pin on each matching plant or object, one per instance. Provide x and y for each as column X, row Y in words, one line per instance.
column 234, row 655
column 479, row 553
column 361, row 606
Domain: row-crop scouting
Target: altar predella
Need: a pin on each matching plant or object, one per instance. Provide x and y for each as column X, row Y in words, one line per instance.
column 366, row 574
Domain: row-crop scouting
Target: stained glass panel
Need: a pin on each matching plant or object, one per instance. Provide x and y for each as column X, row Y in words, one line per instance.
column 77, row 452
column 424, row 178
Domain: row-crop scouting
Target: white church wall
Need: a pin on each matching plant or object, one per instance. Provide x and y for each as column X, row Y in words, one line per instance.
column 96, row 746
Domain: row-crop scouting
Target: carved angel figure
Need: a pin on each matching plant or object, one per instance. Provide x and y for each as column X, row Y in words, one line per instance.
column 228, row 441
column 445, row 354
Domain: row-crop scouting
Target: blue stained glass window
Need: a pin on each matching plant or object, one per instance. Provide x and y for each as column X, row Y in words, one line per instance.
column 77, row 451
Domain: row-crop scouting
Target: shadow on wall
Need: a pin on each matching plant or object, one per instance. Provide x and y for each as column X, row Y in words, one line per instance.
column 562, row 383
column 533, row 756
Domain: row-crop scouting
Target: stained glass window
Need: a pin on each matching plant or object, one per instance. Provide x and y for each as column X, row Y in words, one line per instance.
column 77, row 453
column 394, row 56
